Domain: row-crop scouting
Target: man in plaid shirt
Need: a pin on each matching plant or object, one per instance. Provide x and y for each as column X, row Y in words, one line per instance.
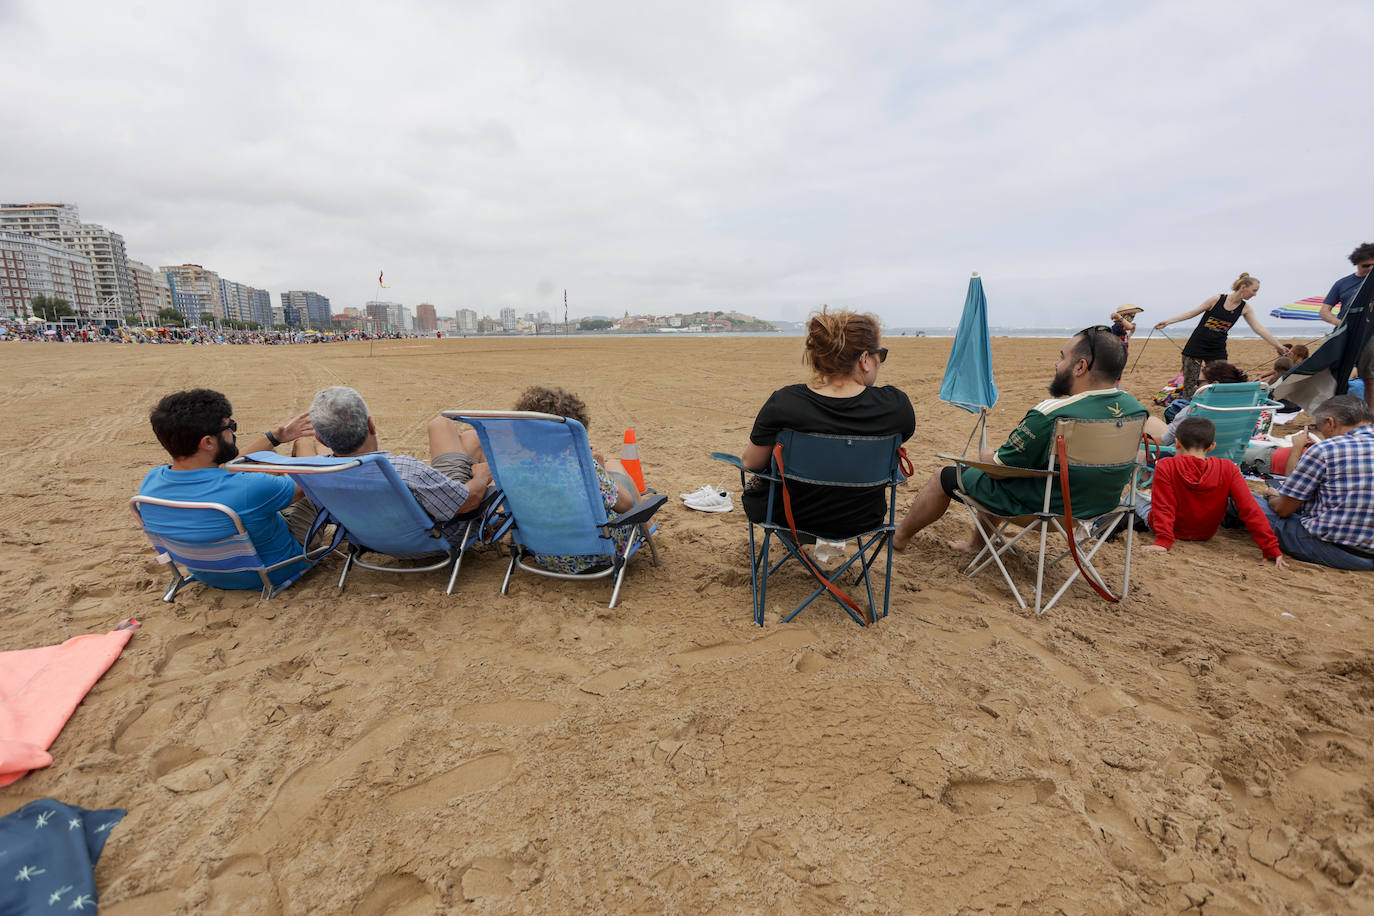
column 1324, row 511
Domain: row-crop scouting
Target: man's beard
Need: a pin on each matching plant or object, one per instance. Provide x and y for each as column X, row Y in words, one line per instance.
column 226, row 452
column 1062, row 384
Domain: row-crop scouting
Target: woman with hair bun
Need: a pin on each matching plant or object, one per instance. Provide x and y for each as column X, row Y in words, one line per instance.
column 1208, row 341
column 844, row 352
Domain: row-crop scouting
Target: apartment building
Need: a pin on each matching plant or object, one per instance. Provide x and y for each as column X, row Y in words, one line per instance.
column 32, row 266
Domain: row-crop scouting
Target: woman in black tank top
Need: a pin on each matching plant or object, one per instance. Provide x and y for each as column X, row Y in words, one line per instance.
column 1208, row 341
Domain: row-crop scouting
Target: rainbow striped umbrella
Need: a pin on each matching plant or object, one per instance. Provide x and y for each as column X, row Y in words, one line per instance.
column 1308, row 309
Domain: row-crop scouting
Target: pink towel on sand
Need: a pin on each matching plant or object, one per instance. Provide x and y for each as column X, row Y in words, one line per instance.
column 39, row 691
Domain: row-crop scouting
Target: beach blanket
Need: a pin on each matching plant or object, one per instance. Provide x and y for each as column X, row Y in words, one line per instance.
column 39, row 691
column 49, row 851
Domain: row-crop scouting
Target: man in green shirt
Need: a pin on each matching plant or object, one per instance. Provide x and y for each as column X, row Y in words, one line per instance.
column 1084, row 387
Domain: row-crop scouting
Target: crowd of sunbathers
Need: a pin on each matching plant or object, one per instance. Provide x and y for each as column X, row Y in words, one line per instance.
column 1321, row 512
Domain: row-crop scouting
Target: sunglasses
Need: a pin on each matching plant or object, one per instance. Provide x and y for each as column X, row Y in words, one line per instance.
column 1090, row 335
column 232, row 425
column 881, row 353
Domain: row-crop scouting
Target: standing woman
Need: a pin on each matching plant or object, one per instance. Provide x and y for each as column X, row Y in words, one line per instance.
column 844, row 352
column 1219, row 313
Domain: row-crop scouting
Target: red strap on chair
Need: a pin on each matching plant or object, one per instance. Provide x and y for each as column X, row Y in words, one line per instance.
column 904, row 463
column 835, row 590
column 1063, row 450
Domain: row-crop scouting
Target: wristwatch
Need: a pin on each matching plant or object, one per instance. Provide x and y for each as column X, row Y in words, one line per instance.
column 272, row 439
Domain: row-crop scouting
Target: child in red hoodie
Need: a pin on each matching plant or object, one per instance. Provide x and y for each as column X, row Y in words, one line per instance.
column 1191, row 490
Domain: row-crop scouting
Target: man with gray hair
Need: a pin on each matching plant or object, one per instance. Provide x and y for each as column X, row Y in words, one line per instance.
column 1323, row 512
column 451, row 485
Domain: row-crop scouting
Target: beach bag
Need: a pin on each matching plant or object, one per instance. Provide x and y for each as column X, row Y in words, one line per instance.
column 1167, row 393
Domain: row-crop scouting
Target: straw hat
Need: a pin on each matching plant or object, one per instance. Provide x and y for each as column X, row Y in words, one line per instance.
column 1129, row 311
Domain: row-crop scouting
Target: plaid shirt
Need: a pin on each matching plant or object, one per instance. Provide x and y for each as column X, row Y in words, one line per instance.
column 1335, row 478
column 441, row 497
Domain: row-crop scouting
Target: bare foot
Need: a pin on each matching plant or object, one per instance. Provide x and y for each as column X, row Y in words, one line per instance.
column 900, row 543
column 968, row 546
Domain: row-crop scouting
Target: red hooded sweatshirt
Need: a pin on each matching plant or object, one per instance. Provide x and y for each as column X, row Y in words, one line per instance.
column 1189, row 500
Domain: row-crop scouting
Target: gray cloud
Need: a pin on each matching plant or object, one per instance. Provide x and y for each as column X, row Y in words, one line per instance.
column 762, row 156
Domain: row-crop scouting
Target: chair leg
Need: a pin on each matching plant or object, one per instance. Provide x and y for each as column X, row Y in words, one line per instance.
column 514, row 555
column 1040, row 569
column 763, row 576
column 348, row 564
column 457, row 562
column 649, row 539
column 621, row 566
column 178, row 580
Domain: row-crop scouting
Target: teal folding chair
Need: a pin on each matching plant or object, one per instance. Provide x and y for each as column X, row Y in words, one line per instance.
column 1234, row 408
column 856, row 463
column 374, row 510
column 233, row 553
column 551, row 503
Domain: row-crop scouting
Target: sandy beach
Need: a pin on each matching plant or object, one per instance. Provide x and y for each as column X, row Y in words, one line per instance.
column 1204, row 745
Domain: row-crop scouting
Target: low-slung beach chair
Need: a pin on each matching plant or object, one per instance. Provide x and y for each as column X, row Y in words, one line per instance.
column 1110, row 447
column 374, row 511
column 235, row 553
column 858, row 462
column 1234, row 408
column 550, row 499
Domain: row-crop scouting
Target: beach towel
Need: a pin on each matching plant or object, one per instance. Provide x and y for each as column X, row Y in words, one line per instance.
column 49, row 851
column 39, row 691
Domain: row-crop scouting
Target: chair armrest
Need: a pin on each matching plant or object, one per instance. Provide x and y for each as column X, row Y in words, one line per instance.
column 640, row 513
column 993, row 469
column 736, row 462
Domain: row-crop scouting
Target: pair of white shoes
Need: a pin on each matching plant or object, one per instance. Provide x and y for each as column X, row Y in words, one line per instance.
column 709, row 499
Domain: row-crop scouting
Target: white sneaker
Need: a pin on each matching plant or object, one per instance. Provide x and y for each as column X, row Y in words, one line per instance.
column 709, row 500
column 703, row 491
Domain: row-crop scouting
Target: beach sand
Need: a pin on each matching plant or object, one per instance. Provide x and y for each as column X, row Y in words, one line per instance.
column 1204, row 744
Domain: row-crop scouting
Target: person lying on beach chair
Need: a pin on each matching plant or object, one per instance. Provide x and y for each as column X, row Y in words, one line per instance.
column 618, row 490
column 1084, row 387
column 198, row 430
column 1193, row 494
column 451, row 485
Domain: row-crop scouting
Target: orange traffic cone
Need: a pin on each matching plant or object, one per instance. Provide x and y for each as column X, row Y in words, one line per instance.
column 629, row 459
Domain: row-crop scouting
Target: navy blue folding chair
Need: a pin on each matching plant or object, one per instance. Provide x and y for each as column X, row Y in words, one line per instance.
column 854, row 462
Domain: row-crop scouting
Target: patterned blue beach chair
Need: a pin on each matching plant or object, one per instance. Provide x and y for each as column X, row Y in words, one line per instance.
column 373, row 509
column 859, row 462
column 1234, row 408
column 551, row 503
column 235, row 553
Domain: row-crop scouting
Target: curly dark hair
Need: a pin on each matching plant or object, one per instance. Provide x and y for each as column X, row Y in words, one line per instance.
column 1364, row 253
column 182, row 419
column 836, row 340
column 556, row 401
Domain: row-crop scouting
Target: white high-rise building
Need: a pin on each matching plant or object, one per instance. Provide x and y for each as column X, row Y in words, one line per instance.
column 61, row 223
column 508, row 319
column 467, row 321
column 31, row 266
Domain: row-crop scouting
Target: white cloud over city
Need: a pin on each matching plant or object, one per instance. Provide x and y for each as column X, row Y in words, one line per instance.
column 766, row 157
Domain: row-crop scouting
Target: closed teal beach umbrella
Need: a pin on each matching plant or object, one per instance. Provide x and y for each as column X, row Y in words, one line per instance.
column 968, row 374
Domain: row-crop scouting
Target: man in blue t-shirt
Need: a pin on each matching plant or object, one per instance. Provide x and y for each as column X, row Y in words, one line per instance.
column 198, row 430
column 1342, row 294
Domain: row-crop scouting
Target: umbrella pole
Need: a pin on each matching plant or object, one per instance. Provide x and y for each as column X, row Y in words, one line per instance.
column 980, row 429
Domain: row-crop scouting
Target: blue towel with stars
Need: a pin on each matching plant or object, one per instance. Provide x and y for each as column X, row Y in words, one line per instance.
column 48, row 852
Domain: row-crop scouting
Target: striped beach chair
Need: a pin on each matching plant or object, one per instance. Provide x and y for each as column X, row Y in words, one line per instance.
column 235, row 553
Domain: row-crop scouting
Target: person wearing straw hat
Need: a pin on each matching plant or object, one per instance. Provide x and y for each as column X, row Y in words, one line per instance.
column 1123, row 323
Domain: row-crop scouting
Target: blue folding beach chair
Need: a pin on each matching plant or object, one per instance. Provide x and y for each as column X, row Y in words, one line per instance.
column 231, row 554
column 551, row 502
column 373, row 509
column 859, row 462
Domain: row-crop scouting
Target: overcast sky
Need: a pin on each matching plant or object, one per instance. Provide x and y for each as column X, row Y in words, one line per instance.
column 766, row 157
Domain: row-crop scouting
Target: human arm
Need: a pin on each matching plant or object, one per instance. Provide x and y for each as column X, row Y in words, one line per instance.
column 289, row 431
column 1262, row 331
column 476, row 487
column 1191, row 313
column 1300, row 485
column 1162, row 504
column 1028, row 444
column 755, row 457
column 1301, row 441
column 1333, row 298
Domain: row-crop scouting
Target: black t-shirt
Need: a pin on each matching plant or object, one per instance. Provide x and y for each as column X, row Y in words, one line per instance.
column 1208, row 341
column 833, row 512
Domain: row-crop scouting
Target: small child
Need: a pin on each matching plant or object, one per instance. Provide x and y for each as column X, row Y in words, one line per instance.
column 1190, row 494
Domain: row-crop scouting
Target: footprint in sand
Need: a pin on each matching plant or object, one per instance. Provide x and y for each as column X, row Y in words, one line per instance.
column 510, row 712
column 243, row 884
column 980, row 796
column 790, row 638
column 397, row 894
column 488, row 877
column 464, row 779
column 608, row 682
